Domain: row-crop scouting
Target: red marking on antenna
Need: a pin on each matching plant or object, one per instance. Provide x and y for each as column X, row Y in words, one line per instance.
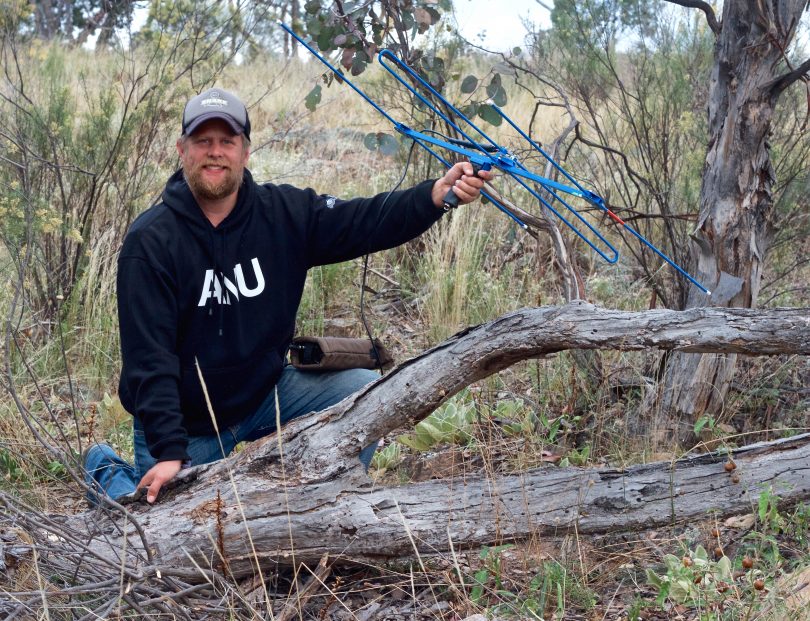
column 615, row 217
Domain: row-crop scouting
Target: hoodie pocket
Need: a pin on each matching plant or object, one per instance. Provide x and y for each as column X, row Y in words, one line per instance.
column 235, row 392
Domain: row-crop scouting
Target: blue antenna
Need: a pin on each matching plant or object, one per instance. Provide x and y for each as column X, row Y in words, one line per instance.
column 485, row 153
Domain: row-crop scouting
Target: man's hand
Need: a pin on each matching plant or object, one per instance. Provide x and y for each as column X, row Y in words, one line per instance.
column 465, row 183
column 162, row 472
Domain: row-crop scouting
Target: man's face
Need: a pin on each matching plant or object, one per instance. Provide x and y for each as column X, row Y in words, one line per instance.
column 213, row 160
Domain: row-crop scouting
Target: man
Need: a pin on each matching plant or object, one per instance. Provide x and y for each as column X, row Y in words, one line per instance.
column 209, row 283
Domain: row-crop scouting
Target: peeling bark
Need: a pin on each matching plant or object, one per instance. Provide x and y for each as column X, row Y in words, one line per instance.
column 736, row 203
column 350, row 520
column 304, row 494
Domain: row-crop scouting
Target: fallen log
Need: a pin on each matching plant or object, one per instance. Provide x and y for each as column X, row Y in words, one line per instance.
column 350, row 520
column 295, row 497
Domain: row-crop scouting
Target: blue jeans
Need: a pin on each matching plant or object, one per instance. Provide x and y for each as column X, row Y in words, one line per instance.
column 299, row 393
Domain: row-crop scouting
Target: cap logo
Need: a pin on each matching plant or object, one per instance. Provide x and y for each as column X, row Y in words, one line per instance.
column 214, row 101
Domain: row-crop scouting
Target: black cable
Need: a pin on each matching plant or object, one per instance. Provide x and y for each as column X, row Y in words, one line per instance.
column 463, row 143
column 377, row 356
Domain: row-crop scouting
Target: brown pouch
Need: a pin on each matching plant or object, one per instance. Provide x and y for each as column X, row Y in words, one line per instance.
column 333, row 353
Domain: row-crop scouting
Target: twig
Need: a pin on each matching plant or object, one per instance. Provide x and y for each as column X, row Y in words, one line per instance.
column 294, row 605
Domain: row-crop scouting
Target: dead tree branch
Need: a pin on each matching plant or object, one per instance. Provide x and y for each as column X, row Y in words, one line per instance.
column 293, row 499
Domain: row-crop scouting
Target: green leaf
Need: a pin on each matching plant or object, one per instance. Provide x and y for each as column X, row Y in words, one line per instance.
column 359, row 63
column 663, row 594
column 414, row 443
column 387, row 458
column 431, row 430
column 654, row 579
column 313, row 98
column 314, row 27
column 672, row 562
column 488, row 113
column 389, row 145
column 506, row 595
column 408, row 20
column 371, row 142
column 495, row 90
column 682, row 590
column 700, row 424
column 382, row 142
column 764, row 501
column 724, row 569
column 57, row 468
column 469, row 84
column 422, row 437
column 324, row 39
column 517, row 51
column 377, row 35
column 470, row 111
column 494, row 85
column 313, row 6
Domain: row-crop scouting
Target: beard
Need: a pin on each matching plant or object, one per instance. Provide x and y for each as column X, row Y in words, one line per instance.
column 209, row 190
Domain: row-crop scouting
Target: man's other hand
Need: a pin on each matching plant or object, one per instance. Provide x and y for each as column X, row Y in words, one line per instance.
column 465, row 183
column 162, row 472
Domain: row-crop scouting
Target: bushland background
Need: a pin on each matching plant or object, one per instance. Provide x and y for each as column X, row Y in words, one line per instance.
column 91, row 93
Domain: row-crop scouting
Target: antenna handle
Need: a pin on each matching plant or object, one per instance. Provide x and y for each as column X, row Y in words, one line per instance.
column 450, row 200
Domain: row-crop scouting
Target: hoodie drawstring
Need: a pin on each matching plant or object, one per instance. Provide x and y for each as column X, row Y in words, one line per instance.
column 219, row 259
column 224, row 288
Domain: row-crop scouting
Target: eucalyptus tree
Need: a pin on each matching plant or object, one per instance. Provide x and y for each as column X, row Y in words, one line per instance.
column 685, row 107
column 753, row 68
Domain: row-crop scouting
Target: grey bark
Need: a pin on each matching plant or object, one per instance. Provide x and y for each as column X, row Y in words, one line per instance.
column 293, row 498
column 736, row 203
column 304, row 494
column 350, row 520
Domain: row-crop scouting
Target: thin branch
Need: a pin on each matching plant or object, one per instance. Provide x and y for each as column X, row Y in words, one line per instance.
column 633, row 174
column 703, row 6
column 802, row 72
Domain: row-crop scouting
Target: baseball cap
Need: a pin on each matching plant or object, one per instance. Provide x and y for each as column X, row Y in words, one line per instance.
column 216, row 103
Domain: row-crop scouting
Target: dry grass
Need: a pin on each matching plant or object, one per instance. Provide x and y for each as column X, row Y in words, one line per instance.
column 472, row 267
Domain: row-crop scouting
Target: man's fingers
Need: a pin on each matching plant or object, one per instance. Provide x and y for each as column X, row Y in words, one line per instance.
column 486, row 175
column 152, row 481
column 466, row 168
column 154, row 490
column 157, row 475
column 146, row 480
column 468, row 187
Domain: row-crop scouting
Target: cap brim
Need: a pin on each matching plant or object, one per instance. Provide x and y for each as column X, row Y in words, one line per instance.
column 208, row 116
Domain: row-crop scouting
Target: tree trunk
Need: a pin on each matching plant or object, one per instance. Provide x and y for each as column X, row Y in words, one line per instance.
column 236, row 521
column 295, row 497
column 735, row 222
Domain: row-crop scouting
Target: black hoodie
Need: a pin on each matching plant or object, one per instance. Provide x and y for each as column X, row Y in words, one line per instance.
column 226, row 297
